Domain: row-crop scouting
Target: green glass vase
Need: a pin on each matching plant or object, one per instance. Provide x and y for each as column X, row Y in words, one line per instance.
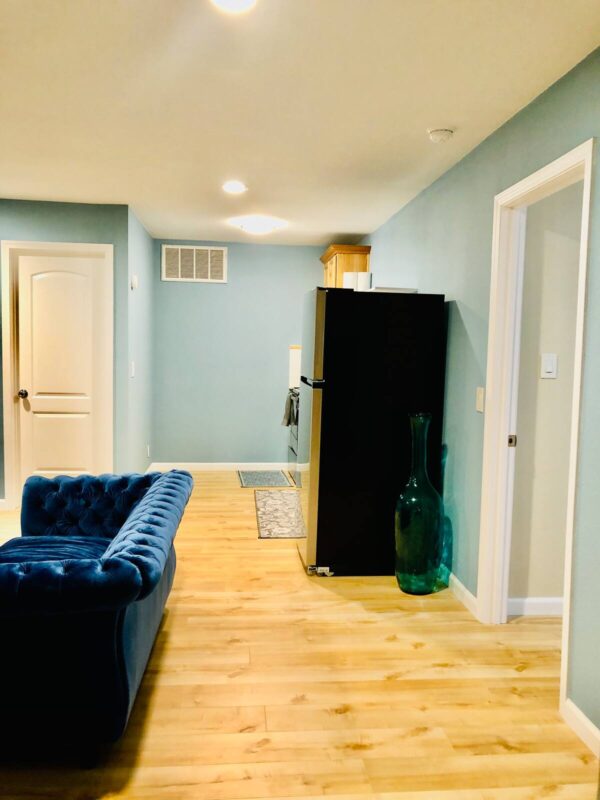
column 419, row 520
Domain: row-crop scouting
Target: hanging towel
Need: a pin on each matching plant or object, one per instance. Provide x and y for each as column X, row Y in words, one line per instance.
column 290, row 414
column 288, row 411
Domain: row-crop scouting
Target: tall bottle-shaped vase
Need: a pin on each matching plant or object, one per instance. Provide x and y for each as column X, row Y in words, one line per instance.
column 419, row 520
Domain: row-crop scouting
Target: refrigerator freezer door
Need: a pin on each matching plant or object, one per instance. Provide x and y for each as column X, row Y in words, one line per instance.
column 309, row 428
column 309, row 454
column 313, row 334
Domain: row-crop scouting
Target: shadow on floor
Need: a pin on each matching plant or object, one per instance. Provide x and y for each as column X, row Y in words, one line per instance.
column 51, row 772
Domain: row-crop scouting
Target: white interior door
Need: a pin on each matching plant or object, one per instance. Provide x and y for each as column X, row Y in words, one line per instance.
column 65, row 365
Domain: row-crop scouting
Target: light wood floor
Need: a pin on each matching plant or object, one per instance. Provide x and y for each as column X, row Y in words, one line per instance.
column 265, row 683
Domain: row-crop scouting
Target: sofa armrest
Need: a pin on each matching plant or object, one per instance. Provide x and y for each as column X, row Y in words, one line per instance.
column 70, row 585
column 145, row 540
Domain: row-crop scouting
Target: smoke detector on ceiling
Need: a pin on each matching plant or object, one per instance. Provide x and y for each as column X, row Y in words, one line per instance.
column 440, row 135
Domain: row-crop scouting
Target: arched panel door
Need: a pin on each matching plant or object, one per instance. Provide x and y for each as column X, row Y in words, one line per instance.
column 65, row 363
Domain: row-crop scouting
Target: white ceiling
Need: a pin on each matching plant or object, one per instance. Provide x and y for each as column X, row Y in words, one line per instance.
column 320, row 106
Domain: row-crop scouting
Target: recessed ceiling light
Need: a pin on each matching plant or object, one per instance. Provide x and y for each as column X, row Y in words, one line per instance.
column 258, row 224
column 234, row 6
column 234, row 187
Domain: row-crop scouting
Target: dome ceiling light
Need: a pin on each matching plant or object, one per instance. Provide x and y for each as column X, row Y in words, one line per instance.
column 234, row 187
column 258, row 224
column 234, row 6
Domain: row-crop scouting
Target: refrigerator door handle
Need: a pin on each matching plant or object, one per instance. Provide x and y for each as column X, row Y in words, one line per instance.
column 312, row 382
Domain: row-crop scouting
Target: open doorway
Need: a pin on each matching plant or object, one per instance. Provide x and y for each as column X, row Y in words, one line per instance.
column 500, row 499
column 544, row 403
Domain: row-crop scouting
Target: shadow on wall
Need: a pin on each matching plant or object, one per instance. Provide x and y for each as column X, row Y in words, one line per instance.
column 463, row 437
column 447, row 534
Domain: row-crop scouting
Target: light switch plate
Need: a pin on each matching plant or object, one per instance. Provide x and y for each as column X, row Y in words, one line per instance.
column 549, row 365
column 480, row 399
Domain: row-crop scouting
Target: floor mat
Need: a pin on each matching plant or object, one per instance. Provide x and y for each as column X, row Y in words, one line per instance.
column 251, row 479
column 279, row 515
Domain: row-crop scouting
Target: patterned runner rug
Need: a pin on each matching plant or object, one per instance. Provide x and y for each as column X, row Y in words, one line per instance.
column 279, row 515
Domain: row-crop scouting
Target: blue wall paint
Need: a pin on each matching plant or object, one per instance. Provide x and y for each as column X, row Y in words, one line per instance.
column 140, row 327
column 213, row 360
column 221, row 355
column 441, row 242
column 75, row 222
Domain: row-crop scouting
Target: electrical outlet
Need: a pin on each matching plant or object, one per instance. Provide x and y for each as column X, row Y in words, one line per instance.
column 132, row 370
column 148, row 450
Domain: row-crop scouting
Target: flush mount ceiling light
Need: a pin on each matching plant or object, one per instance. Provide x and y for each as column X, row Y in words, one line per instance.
column 440, row 135
column 234, row 187
column 234, row 6
column 258, row 224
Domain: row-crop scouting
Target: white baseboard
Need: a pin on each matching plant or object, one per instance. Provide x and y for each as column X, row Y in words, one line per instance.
column 209, row 466
column 464, row 595
column 535, row 606
column 582, row 725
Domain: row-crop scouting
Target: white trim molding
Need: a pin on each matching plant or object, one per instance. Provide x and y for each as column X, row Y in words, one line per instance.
column 502, row 376
column 582, row 725
column 463, row 595
column 10, row 252
column 221, row 466
column 535, row 606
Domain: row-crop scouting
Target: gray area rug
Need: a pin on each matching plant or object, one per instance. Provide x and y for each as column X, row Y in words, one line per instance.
column 279, row 515
column 250, row 479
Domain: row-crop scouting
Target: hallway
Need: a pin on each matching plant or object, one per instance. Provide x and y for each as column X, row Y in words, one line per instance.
column 267, row 684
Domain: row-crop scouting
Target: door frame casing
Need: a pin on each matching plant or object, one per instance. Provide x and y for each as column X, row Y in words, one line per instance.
column 502, row 382
column 10, row 253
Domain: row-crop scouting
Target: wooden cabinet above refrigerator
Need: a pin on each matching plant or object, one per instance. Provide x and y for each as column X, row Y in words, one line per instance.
column 340, row 258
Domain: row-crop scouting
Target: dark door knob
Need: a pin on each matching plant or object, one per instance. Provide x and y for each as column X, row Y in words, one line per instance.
column 23, row 393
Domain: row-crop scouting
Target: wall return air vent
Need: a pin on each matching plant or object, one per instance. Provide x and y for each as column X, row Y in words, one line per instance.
column 194, row 264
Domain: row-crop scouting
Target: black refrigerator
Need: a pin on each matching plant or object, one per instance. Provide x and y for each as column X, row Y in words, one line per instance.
column 369, row 359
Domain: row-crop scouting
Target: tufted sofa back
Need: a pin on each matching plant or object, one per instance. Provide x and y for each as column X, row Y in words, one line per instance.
column 82, row 506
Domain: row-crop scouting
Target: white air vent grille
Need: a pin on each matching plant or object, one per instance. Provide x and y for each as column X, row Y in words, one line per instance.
column 202, row 264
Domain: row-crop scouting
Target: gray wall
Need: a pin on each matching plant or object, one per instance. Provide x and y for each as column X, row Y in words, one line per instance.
column 221, row 355
column 441, row 242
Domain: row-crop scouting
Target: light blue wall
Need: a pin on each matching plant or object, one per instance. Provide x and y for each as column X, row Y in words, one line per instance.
column 441, row 242
column 212, row 360
column 140, row 326
column 74, row 222
column 221, row 355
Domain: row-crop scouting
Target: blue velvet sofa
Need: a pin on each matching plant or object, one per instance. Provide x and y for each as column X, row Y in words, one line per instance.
column 82, row 593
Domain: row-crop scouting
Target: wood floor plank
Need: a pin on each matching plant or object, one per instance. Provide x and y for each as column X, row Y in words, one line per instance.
column 267, row 684
column 482, row 771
